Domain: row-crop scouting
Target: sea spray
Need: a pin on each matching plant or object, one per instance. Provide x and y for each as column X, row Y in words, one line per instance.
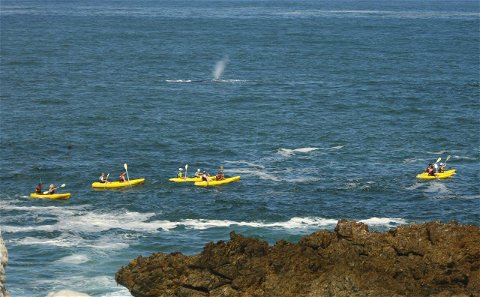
column 219, row 68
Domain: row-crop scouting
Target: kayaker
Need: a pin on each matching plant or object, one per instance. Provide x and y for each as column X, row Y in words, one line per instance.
column 52, row 189
column 430, row 169
column 204, row 176
column 198, row 173
column 220, row 174
column 441, row 167
column 38, row 189
column 180, row 173
column 103, row 178
column 122, row 178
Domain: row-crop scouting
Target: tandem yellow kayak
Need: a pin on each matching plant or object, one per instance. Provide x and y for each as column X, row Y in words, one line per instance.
column 51, row 196
column 117, row 184
column 217, row 182
column 189, row 179
column 442, row 175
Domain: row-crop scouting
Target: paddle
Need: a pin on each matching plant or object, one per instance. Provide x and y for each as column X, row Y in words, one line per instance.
column 186, row 168
column 445, row 165
column 126, row 170
column 106, row 181
column 61, row 186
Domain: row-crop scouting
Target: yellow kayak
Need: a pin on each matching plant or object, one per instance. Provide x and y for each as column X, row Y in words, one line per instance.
column 51, row 196
column 442, row 175
column 217, row 182
column 117, row 184
column 189, row 179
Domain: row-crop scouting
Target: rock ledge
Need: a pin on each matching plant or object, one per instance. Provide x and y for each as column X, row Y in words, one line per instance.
column 431, row 259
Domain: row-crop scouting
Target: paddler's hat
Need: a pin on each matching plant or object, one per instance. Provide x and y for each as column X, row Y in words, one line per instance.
column 180, row 169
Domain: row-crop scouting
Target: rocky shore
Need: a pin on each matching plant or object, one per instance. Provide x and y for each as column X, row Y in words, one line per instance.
column 431, row 259
column 3, row 265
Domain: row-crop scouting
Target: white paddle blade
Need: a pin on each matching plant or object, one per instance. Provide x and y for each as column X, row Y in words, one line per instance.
column 186, row 166
column 62, row 186
column 438, row 160
column 125, row 166
column 448, row 158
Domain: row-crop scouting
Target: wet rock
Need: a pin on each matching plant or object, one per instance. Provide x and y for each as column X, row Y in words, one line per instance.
column 432, row 259
column 3, row 265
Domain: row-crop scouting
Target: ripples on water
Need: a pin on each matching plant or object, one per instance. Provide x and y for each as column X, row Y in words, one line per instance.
column 327, row 110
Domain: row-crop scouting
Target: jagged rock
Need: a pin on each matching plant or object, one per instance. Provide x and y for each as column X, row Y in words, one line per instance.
column 432, row 259
column 3, row 264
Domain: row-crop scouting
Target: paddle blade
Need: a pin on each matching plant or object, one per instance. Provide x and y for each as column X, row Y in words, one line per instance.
column 438, row 160
column 125, row 166
column 62, row 186
column 186, row 166
column 448, row 158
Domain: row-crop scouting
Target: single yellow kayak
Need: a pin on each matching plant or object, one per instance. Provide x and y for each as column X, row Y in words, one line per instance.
column 51, row 196
column 117, row 184
column 442, row 175
column 189, row 179
column 217, row 182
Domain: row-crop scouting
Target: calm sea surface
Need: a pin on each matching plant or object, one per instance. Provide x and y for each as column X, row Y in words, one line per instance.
column 326, row 109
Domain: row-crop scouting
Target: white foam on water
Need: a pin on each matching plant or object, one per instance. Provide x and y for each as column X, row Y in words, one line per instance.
column 67, row 293
column 415, row 186
column 74, row 259
column 230, row 80
column 305, row 149
column 79, row 283
column 260, row 174
column 290, row 152
column 337, row 147
column 64, row 240
column 387, row 222
column 258, row 166
column 437, row 188
column 285, row 152
column 463, row 158
column 178, row 80
column 120, row 292
column 295, row 223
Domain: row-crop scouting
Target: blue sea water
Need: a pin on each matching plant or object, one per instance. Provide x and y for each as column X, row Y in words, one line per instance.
column 326, row 109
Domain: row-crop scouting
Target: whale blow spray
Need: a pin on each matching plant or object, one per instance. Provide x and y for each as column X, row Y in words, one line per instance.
column 219, row 68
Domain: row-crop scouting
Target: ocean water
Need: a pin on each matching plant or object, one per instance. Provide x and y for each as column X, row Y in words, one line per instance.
column 326, row 109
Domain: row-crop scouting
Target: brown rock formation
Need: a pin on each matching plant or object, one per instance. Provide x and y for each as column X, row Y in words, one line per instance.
column 431, row 259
